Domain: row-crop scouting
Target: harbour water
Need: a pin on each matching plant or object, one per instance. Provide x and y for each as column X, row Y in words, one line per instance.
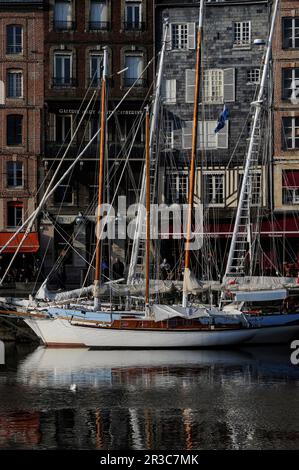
column 80, row 399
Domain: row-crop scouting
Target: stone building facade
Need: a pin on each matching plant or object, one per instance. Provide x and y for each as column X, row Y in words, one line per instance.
column 21, row 117
column 76, row 32
column 286, row 131
column 234, row 37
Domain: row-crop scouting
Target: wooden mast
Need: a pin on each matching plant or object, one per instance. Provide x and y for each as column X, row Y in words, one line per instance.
column 193, row 151
column 148, row 208
column 98, row 270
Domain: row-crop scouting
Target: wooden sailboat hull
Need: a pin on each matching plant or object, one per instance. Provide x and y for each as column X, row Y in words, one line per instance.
column 61, row 333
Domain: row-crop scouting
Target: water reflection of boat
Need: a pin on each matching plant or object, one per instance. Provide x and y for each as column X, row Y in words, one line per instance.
column 56, row 367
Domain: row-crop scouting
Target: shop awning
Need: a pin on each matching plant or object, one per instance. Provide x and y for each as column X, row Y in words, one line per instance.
column 290, row 179
column 30, row 244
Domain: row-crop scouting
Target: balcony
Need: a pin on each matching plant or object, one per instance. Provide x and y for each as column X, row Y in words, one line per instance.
column 140, row 83
column 99, row 26
column 64, row 25
column 63, row 82
column 134, row 26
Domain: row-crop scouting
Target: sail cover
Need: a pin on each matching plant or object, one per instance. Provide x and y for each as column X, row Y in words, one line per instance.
column 165, row 312
column 261, row 296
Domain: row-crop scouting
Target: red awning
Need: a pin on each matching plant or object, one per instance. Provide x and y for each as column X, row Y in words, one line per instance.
column 30, row 244
column 290, row 179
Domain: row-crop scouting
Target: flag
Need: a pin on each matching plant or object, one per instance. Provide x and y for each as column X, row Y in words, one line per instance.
column 222, row 118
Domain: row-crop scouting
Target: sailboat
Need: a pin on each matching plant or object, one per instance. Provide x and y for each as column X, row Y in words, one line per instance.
column 163, row 326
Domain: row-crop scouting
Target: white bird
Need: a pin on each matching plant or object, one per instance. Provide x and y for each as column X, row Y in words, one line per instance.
column 73, row 387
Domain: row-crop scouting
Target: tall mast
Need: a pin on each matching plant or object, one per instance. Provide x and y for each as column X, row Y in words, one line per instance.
column 97, row 277
column 148, row 208
column 194, row 149
column 153, row 127
column 244, row 197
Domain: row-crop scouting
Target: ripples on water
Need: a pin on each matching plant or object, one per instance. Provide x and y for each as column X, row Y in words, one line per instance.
column 239, row 399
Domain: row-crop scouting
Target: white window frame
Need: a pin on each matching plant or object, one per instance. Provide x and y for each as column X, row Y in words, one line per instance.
column 293, row 136
column 253, row 76
column 63, row 126
column 65, row 55
column 186, row 43
column 180, row 178
column 169, row 134
column 15, row 72
column 215, row 173
column 135, row 3
column 169, row 91
column 214, row 81
column 227, row 92
column 241, row 41
column 14, row 45
column 209, row 128
column 14, row 186
column 100, row 58
column 293, row 37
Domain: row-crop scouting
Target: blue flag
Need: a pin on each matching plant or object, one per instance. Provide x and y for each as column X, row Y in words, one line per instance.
column 222, row 118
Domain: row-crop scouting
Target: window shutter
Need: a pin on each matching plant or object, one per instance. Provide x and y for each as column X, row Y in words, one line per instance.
column 191, row 35
column 210, row 136
column 229, row 85
column 171, row 91
column 190, row 85
column 2, row 92
column 168, row 37
column 187, row 135
column 222, row 137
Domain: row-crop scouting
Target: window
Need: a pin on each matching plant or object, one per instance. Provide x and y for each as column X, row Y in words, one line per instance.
column 14, row 84
column 213, row 86
column 63, row 128
column 255, row 189
column 14, row 214
column 219, row 85
column 98, row 17
column 63, row 70
column 14, row 129
column 182, row 36
column 63, row 15
column 242, row 33
column 134, row 66
column 95, row 68
column 168, row 134
column 290, row 32
column 177, row 183
column 214, row 188
column 133, row 16
column 64, row 195
column 14, row 39
column 169, row 91
column 290, row 84
column 14, row 174
column 210, row 139
column 290, row 187
column 253, row 76
column 290, row 129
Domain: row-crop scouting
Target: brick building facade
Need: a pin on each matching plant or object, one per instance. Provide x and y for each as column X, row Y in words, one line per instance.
column 76, row 32
column 21, row 117
column 286, row 130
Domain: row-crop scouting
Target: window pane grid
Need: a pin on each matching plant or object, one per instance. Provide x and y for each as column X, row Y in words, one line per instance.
column 242, row 33
column 179, row 36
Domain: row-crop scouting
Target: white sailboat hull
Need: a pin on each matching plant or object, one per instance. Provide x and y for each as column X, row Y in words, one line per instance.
column 61, row 333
